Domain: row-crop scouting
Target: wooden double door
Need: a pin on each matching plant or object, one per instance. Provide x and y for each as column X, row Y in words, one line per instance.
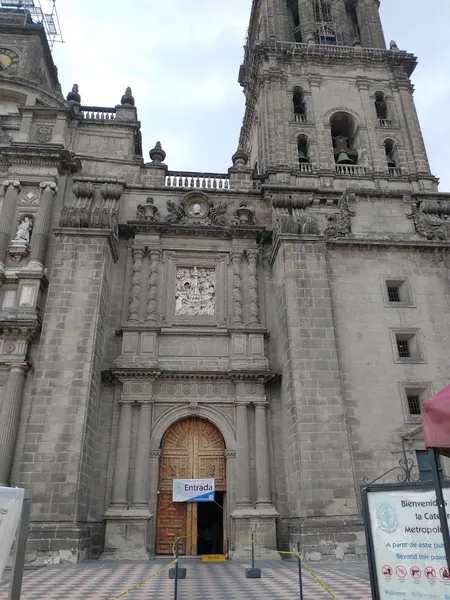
column 191, row 449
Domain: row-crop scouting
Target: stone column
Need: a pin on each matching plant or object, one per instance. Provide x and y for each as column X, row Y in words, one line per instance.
column 41, row 227
column 122, row 466
column 152, row 300
column 253, row 297
column 141, row 471
column 243, row 497
column 236, row 258
column 12, row 191
column 307, row 22
column 9, row 419
column 138, row 255
column 263, row 495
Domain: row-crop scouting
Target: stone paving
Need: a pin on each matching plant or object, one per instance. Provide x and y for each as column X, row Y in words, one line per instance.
column 205, row 581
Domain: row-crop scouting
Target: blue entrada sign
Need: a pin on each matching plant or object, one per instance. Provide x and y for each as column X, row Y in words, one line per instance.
column 193, row 490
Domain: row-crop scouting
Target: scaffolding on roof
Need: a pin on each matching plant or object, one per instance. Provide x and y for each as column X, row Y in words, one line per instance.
column 42, row 12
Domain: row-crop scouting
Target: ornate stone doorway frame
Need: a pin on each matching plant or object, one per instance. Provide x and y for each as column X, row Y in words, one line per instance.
column 217, row 419
column 192, row 448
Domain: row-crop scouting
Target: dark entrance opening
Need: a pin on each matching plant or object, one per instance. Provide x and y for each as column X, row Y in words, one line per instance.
column 210, row 526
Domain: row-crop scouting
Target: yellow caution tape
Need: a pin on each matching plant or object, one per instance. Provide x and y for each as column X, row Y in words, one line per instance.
column 316, row 578
column 138, row 585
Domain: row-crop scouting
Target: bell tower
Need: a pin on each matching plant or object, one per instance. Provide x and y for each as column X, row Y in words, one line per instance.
column 327, row 105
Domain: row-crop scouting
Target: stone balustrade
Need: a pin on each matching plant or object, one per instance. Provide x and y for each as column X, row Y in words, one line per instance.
column 305, row 168
column 395, row 172
column 98, row 113
column 385, row 122
column 186, row 179
column 300, row 118
column 351, row 170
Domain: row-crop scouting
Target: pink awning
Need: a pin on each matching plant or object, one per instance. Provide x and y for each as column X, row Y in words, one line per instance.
column 436, row 421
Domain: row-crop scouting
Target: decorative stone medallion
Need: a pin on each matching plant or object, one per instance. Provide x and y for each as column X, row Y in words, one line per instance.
column 44, row 134
column 195, row 292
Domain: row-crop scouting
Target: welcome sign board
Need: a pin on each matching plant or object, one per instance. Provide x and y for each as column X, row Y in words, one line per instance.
column 193, row 490
column 406, row 549
column 11, row 501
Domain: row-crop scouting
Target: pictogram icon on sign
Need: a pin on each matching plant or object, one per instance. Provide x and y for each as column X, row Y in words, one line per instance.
column 415, row 572
column 386, row 570
column 430, row 573
column 444, row 574
column 401, row 571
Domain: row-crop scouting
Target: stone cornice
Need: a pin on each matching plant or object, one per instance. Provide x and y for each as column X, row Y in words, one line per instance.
column 16, row 329
column 155, row 374
column 90, row 233
column 323, row 53
column 225, row 232
column 37, row 156
column 100, row 180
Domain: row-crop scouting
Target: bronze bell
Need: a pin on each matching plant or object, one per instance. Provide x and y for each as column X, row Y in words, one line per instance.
column 302, row 158
column 299, row 109
column 344, row 159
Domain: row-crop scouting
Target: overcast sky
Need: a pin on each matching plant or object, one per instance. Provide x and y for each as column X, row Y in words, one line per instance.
column 182, row 59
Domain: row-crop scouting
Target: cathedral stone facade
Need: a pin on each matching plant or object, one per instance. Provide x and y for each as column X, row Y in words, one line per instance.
column 274, row 327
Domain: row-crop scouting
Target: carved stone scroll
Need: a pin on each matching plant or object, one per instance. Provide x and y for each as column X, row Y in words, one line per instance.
column 253, row 299
column 340, row 224
column 236, row 259
column 152, row 301
column 432, row 220
column 138, row 254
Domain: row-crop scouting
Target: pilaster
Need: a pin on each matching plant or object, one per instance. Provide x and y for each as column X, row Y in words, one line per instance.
column 10, row 202
column 42, row 226
column 67, row 381
column 9, row 419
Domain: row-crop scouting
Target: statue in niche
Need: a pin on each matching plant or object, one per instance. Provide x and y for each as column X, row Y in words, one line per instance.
column 24, row 231
column 195, row 293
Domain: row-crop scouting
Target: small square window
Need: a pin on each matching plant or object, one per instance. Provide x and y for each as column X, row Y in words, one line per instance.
column 413, row 404
column 407, row 346
column 403, row 348
column 397, row 292
column 413, row 394
column 394, row 293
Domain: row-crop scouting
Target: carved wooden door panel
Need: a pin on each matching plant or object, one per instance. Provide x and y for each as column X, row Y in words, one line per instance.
column 171, row 524
column 191, row 449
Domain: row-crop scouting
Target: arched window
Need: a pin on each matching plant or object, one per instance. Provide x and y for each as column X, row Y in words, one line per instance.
column 390, row 150
column 326, row 32
column 294, row 19
column 343, row 134
column 302, row 149
column 353, row 20
column 381, row 105
column 299, row 104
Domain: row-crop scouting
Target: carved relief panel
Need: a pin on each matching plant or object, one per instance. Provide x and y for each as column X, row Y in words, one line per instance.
column 195, row 289
column 195, row 292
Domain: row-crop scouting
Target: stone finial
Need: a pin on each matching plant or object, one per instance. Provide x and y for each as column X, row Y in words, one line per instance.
column 239, row 158
column 157, row 154
column 244, row 215
column 393, row 46
column 74, row 97
column 127, row 98
column 147, row 211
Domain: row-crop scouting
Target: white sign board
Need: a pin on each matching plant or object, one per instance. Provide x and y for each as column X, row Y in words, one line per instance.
column 11, row 501
column 193, row 490
column 407, row 544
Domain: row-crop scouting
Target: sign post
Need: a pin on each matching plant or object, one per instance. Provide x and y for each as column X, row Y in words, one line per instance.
column 406, row 549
